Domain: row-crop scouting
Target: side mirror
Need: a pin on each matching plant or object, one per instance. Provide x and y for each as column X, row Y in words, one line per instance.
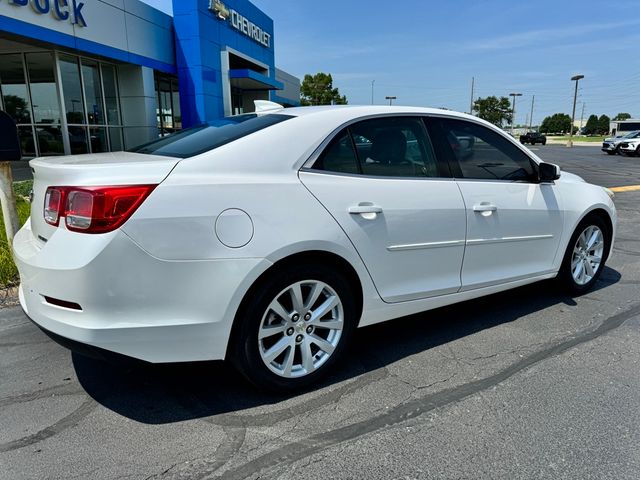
column 10, row 150
column 548, row 172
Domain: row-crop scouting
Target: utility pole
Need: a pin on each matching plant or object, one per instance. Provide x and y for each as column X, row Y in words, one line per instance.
column 576, row 79
column 473, row 82
column 513, row 110
column 391, row 99
column 372, row 82
column 533, row 99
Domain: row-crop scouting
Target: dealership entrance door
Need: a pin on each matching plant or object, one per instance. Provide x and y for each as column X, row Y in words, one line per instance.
column 245, row 80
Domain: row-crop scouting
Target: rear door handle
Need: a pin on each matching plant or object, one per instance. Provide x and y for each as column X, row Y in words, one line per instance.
column 364, row 208
column 485, row 207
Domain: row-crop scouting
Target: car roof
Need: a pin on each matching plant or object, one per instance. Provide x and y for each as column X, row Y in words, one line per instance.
column 356, row 111
column 339, row 114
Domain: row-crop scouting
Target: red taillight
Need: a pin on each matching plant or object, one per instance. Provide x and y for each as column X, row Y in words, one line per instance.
column 52, row 206
column 93, row 209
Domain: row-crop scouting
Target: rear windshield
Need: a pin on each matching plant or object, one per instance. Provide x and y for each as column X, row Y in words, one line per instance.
column 203, row 138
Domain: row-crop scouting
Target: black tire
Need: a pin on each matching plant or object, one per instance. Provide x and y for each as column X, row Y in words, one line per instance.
column 638, row 151
column 609, row 152
column 544, row 142
column 565, row 276
column 245, row 346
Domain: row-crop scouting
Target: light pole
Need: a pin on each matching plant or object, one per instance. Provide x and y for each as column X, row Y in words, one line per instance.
column 372, row 82
column 533, row 99
column 391, row 99
column 576, row 79
column 513, row 110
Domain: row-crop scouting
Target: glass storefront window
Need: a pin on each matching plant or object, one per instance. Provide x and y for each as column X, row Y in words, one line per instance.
column 98, row 137
column 72, row 90
column 50, row 140
column 83, row 109
column 93, row 92
column 15, row 97
column 115, row 138
column 27, row 143
column 177, row 114
column 111, row 94
column 78, row 140
column 168, row 112
column 42, row 82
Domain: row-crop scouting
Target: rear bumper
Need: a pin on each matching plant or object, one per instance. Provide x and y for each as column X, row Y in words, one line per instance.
column 130, row 302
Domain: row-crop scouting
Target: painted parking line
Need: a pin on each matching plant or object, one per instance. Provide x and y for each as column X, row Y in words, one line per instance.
column 628, row 188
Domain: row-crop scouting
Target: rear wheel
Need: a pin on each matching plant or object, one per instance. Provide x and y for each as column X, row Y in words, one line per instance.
column 294, row 327
column 586, row 255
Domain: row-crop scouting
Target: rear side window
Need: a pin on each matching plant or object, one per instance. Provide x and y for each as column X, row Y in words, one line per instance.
column 386, row 147
column 484, row 154
column 339, row 156
column 203, row 138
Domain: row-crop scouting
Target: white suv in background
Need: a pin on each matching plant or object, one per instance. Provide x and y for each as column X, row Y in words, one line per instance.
column 630, row 147
column 612, row 145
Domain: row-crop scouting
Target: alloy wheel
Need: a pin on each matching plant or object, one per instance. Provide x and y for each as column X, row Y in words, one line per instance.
column 587, row 255
column 301, row 328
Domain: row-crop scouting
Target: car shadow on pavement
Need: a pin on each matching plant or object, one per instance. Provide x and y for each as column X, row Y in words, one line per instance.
column 159, row 394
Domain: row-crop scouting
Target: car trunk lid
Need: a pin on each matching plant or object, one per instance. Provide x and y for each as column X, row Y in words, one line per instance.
column 104, row 169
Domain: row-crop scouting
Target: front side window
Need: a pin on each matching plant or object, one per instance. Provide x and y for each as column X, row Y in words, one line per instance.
column 480, row 153
column 386, row 147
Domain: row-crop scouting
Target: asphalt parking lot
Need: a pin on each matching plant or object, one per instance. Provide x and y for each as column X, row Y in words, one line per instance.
column 528, row 384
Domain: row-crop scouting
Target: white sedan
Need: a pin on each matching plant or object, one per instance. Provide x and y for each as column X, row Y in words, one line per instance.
column 268, row 238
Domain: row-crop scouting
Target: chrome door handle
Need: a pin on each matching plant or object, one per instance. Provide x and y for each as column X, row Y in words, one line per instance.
column 485, row 207
column 359, row 209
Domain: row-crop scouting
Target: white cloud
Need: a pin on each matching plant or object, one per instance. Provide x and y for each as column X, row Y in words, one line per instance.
column 546, row 36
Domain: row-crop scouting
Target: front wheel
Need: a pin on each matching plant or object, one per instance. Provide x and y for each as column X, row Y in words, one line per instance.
column 294, row 327
column 585, row 256
column 611, row 152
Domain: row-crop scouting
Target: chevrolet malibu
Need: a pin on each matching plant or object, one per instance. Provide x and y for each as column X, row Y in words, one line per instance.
column 266, row 239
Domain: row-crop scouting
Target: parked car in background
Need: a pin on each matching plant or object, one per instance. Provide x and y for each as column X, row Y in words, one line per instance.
column 611, row 145
column 532, row 138
column 630, row 147
column 268, row 238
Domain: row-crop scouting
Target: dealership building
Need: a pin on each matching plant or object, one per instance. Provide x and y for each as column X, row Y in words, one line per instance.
column 88, row 76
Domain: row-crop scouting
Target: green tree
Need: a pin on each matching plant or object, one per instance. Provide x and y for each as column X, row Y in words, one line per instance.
column 622, row 116
column 17, row 107
column 592, row 127
column 603, row 124
column 318, row 90
column 493, row 109
column 556, row 123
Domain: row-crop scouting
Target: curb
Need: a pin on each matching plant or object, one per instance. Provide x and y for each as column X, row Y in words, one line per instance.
column 9, row 297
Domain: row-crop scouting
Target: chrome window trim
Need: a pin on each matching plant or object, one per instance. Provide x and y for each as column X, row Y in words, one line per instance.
column 307, row 166
column 359, row 175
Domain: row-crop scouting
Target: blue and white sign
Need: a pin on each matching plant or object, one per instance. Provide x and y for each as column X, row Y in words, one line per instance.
column 62, row 10
column 240, row 23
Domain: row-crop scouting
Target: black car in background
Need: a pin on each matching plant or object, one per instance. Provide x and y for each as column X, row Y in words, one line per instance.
column 533, row 138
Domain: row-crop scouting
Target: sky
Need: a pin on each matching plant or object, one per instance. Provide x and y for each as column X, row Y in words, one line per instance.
column 426, row 52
